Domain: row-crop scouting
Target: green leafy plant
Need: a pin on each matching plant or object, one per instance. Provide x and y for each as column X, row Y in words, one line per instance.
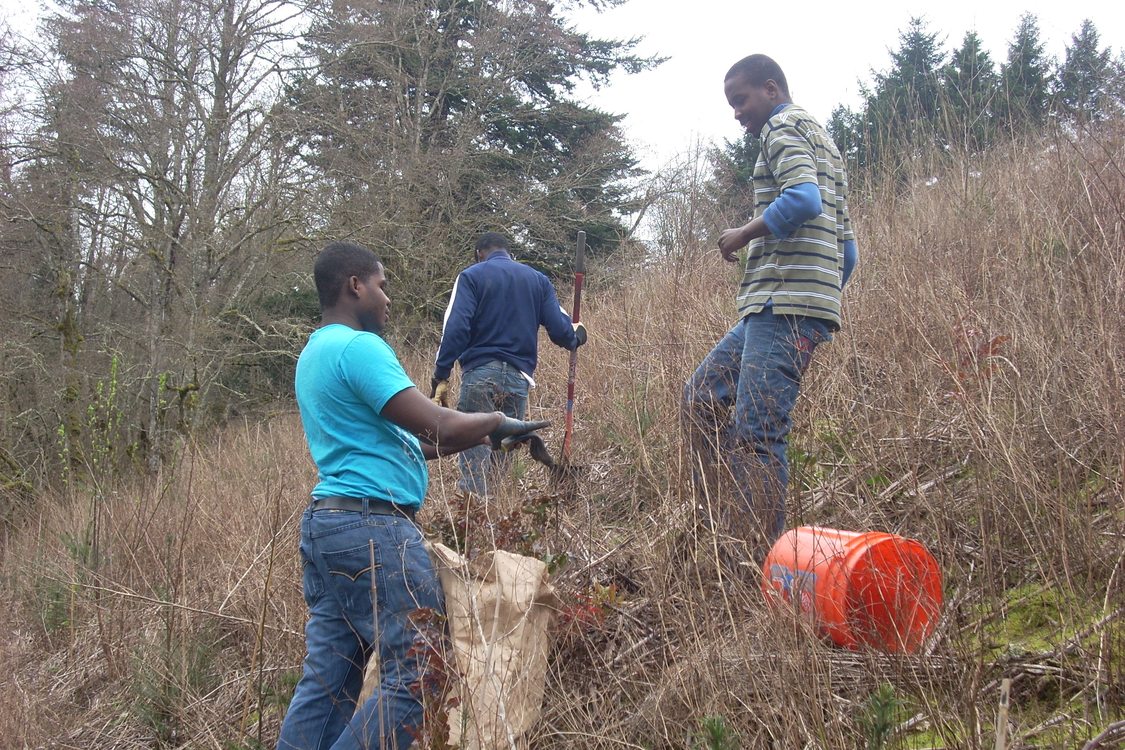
column 714, row 734
column 169, row 676
column 881, row 716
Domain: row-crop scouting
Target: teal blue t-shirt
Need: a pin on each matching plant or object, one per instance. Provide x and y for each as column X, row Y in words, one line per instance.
column 344, row 379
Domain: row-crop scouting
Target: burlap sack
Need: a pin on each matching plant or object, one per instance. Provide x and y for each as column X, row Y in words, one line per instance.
column 499, row 607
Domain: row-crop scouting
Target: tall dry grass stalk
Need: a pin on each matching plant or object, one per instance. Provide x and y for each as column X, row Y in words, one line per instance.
column 973, row 400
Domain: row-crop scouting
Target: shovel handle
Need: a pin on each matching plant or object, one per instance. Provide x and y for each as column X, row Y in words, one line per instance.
column 579, row 278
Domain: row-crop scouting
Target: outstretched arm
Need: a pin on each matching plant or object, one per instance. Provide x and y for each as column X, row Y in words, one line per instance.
column 442, row 431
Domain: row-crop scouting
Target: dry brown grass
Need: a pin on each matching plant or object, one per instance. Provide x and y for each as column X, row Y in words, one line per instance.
column 974, row 401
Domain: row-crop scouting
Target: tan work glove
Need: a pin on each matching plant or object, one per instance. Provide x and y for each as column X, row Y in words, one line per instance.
column 439, row 391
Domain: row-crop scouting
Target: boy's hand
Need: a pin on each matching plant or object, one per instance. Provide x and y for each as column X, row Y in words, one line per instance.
column 580, row 334
column 730, row 242
column 439, row 391
column 514, row 428
column 733, row 240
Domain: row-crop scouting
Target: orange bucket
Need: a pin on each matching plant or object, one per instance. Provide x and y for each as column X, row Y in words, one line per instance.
column 861, row 589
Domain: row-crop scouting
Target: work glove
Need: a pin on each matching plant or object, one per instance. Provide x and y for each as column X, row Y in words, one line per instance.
column 579, row 334
column 535, row 446
column 512, row 432
column 439, row 391
column 538, row 450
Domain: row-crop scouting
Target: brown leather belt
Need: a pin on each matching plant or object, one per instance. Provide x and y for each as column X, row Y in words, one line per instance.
column 371, row 505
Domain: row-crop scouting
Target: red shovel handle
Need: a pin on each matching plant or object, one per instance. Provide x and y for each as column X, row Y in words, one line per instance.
column 579, row 278
column 579, row 275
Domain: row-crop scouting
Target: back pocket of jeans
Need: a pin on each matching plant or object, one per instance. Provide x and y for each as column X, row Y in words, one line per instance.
column 352, row 563
column 350, row 572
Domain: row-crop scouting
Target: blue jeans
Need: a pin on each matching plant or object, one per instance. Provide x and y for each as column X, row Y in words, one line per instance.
column 736, row 409
column 336, row 550
column 493, row 386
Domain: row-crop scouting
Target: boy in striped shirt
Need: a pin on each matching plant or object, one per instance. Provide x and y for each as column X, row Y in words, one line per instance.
column 801, row 251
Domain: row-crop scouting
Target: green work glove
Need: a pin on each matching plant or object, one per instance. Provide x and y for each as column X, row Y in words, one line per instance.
column 439, row 391
column 512, row 431
column 580, row 334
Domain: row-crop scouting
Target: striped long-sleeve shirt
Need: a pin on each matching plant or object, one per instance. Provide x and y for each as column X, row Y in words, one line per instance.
column 800, row 274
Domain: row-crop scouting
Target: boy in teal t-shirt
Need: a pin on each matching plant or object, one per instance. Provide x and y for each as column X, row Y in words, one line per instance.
column 370, row 432
column 344, row 379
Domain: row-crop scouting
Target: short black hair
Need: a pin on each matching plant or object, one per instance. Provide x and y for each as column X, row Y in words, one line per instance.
column 491, row 241
column 337, row 263
column 758, row 69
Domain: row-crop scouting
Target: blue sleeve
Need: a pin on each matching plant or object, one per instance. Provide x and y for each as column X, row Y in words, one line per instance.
column 796, row 205
column 455, row 332
column 554, row 318
column 371, row 369
column 851, row 257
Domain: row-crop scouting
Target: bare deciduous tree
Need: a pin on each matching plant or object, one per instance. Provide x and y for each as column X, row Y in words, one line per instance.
column 156, row 187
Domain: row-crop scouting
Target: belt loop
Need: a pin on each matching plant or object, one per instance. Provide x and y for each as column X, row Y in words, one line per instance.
column 366, row 506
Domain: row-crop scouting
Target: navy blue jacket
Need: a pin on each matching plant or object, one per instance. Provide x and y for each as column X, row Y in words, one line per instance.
column 495, row 312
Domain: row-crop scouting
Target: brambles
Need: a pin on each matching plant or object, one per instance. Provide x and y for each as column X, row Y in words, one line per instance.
column 470, row 525
column 1007, row 296
column 587, row 610
column 435, row 689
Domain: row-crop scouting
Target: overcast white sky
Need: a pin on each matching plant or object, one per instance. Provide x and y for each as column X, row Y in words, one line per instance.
column 680, row 102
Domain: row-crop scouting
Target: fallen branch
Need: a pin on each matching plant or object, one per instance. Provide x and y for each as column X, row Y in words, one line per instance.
column 1112, row 733
column 125, row 594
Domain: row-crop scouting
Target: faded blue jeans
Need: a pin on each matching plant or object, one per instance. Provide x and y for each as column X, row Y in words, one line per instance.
column 493, row 386
column 336, row 550
column 736, row 415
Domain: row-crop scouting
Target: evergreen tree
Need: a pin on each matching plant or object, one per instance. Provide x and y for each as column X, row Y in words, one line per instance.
column 904, row 103
column 1025, row 80
column 1083, row 81
column 428, row 122
column 731, row 189
column 846, row 128
column 1116, row 86
column 970, row 86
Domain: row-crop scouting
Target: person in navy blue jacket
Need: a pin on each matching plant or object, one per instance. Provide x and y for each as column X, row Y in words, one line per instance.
column 492, row 328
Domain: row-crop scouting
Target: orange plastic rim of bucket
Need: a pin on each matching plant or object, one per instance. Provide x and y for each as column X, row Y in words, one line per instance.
column 874, row 588
column 893, row 592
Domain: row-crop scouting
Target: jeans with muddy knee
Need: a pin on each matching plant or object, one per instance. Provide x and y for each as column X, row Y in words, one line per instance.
column 736, row 409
